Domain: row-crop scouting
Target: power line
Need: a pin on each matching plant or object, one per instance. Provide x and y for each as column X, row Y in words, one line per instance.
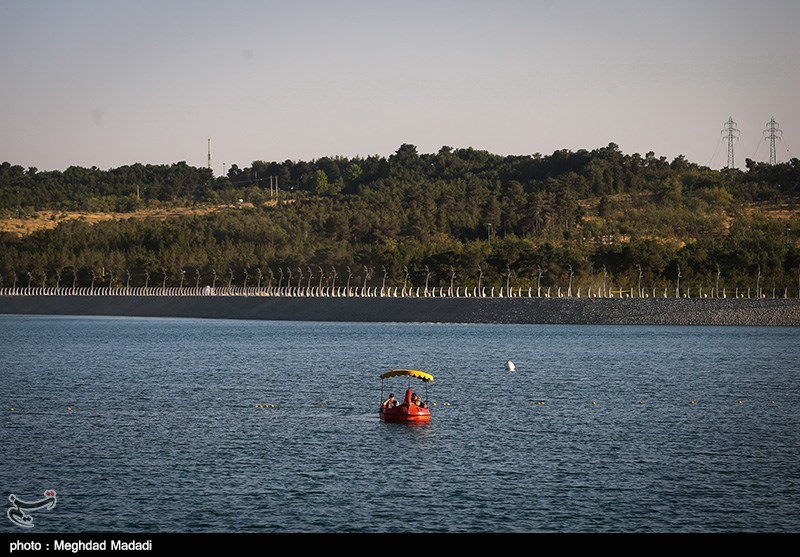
column 730, row 134
column 716, row 149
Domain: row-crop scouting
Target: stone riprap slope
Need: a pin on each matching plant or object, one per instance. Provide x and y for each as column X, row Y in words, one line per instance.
column 600, row 311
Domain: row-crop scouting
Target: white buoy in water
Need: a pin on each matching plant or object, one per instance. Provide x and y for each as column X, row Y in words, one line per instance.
column 510, row 366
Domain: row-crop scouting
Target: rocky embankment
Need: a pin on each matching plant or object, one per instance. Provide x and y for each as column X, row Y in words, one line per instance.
column 599, row 311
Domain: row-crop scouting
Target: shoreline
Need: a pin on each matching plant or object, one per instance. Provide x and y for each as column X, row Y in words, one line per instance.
column 767, row 312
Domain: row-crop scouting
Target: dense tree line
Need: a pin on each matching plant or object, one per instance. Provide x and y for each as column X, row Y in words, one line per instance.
column 595, row 215
column 579, row 175
column 91, row 189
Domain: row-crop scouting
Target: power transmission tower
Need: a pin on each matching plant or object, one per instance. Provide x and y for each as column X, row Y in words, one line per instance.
column 731, row 134
column 774, row 133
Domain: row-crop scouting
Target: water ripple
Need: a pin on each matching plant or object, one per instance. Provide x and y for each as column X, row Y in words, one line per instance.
column 194, row 425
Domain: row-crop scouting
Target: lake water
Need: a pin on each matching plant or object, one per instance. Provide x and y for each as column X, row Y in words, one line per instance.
column 641, row 429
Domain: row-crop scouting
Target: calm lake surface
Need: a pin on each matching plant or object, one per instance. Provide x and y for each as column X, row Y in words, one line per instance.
column 165, row 434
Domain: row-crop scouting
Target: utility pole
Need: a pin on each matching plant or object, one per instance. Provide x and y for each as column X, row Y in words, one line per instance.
column 774, row 134
column 209, row 153
column 731, row 134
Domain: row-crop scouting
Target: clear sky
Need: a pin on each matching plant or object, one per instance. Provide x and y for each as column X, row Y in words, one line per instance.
column 113, row 82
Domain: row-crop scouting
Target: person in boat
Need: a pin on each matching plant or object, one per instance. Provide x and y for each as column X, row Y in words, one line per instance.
column 391, row 402
column 418, row 401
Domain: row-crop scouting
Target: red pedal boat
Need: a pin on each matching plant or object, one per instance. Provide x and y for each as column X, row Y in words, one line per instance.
column 413, row 408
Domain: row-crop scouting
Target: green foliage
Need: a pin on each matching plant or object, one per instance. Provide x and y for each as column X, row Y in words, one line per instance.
column 593, row 212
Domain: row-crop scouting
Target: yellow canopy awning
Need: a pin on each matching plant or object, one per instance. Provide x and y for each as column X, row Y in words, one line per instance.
column 408, row 372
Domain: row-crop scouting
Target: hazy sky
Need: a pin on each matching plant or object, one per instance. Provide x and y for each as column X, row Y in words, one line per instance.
column 114, row 82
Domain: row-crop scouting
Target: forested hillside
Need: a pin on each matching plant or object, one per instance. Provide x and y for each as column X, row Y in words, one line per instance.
column 597, row 215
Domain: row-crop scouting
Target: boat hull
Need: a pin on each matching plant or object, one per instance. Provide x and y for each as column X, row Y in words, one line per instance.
column 403, row 413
